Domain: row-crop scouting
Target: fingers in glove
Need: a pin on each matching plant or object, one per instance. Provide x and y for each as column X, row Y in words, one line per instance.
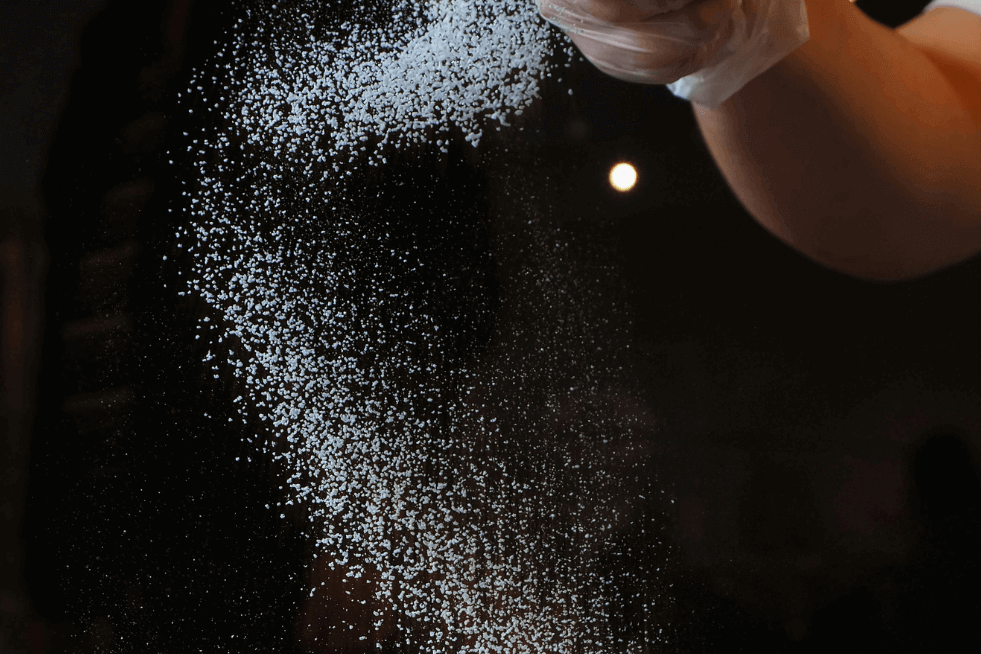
column 649, row 41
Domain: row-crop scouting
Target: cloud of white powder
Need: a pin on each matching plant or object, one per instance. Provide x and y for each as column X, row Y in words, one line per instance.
column 385, row 443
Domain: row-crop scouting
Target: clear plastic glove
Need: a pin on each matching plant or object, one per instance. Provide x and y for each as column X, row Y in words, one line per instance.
column 704, row 50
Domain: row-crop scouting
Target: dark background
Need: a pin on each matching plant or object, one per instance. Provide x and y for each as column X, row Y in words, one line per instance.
column 819, row 434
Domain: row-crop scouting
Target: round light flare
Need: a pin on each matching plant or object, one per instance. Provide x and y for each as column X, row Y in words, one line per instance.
column 623, row 177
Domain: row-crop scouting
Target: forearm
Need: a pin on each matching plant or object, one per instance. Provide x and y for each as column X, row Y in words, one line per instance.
column 855, row 150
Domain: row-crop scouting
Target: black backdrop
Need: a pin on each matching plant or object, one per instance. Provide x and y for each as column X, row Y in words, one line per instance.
column 142, row 534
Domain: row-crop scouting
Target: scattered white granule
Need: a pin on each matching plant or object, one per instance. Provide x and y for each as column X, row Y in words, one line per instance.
column 439, row 64
column 484, row 519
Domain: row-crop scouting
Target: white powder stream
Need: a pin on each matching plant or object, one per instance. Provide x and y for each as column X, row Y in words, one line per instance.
column 408, row 464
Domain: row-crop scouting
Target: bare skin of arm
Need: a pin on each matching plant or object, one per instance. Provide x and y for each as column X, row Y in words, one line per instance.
column 862, row 148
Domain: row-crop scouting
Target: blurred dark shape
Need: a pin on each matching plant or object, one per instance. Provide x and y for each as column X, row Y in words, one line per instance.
column 945, row 574
column 892, row 13
column 778, row 512
column 38, row 52
column 948, row 492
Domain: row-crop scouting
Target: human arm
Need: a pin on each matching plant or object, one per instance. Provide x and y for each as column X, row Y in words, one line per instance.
column 862, row 148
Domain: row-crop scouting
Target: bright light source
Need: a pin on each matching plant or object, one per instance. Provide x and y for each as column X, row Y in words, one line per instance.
column 623, row 176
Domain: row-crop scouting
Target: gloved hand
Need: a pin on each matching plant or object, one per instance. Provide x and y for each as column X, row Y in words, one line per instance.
column 705, row 50
column 649, row 41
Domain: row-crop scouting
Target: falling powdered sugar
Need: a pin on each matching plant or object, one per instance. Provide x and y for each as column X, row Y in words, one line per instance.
column 439, row 63
column 411, row 464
